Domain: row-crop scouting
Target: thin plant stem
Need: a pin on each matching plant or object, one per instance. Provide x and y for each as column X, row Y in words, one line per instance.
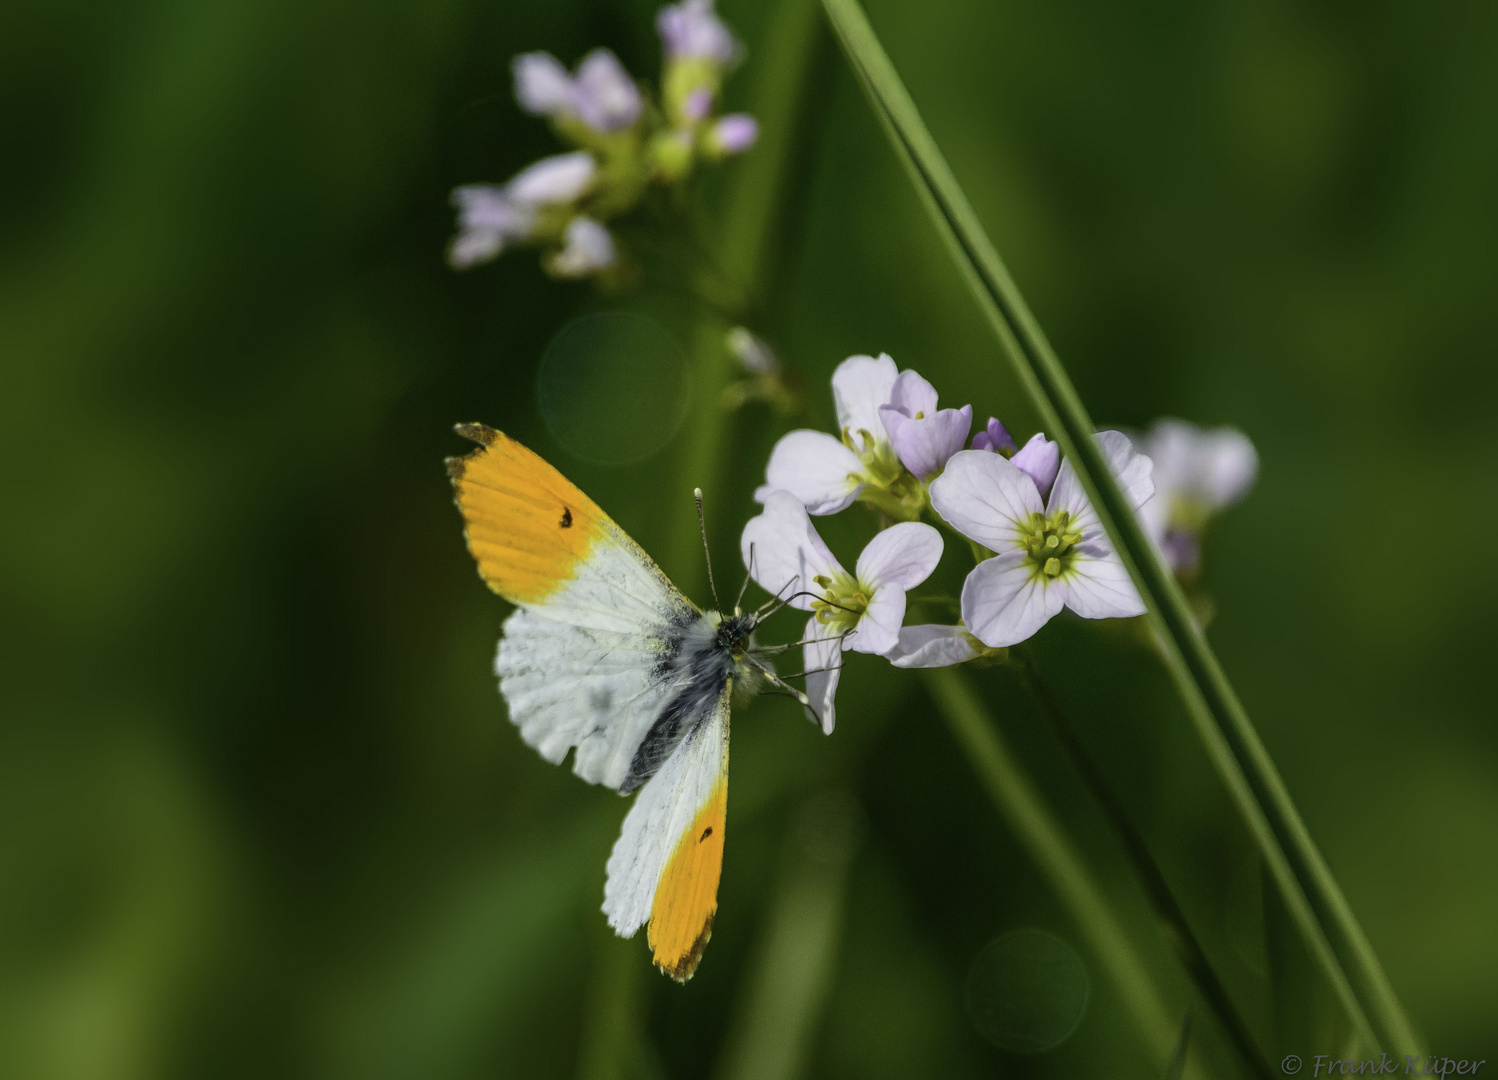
column 755, row 213
column 1035, row 826
column 1311, row 893
column 1156, row 889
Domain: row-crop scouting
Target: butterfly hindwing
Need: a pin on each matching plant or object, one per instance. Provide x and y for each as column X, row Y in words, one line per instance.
column 665, row 866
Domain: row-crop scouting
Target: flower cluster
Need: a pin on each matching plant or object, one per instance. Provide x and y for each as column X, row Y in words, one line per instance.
column 1039, row 544
column 1198, row 473
column 626, row 142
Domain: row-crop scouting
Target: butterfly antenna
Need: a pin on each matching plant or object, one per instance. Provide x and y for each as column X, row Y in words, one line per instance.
column 702, row 525
column 738, row 605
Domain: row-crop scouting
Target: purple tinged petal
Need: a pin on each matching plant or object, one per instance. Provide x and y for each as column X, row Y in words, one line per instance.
column 691, row 30
column 698, row 104
column 735, row 133
column 925, row 444
column 1039, row 460
column 604, row 96
column 994, row 437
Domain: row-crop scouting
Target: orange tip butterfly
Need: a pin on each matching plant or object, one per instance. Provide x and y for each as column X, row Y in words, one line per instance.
column 604, row 656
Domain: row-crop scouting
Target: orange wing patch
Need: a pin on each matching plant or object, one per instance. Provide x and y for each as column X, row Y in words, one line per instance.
column 528, row 526
column 686, row 898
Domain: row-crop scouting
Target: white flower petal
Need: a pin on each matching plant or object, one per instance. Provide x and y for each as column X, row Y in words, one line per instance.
column 902, row 556
column 985, row 498
column 1231, row 467
column 1130, row 467
column 816, row 468
column 560, row 178
column 878, row 631
column 1098, row 587
column 782, row 551
column 930, row 645
column 859, row 386
column 589, row 249
column 823, row 657
column 542, row 85
column 1004, row 602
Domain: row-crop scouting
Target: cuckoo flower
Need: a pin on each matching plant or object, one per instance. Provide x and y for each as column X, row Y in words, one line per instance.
column 601, row 95
column 923, row 436
column 533, row 204
column 861, row 611
column 1048, row 553
column 828, row 473
column 1197, row 473
column 691, row 30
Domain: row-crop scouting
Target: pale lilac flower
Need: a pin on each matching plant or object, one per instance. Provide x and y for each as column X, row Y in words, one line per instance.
column 923, row 436
column 994, row 437
column 734, row 133
column 1049, row 554
column 492, row 217
column 488, row 221
column 1039, row 459
column 601, row 94
column 692, row 31
column 561, row 178
column 828, row 473
column 861, row 611
column 588, row 248
column 1197, row 473
column 930, row 645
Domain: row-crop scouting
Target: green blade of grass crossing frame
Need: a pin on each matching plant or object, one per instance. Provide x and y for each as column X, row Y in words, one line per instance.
column 1311, row 894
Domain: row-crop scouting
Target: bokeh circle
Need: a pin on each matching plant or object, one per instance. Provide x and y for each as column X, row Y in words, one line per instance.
column 1027, row 991
column 613, row 387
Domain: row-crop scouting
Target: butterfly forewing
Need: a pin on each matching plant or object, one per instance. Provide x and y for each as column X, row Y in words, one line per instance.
column 606, row 656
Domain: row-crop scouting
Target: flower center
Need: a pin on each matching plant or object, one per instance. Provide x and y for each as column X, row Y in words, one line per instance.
column 842, row 603
column 1050, row 543
column 892, row 491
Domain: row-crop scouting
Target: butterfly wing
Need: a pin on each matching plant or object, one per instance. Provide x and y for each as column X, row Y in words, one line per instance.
column 665, row 866
column 588, row 659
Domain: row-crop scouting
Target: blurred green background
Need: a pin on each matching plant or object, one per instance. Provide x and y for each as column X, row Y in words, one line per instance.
column 261, row 812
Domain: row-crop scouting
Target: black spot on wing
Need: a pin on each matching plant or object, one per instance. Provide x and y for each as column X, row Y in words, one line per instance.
column 566, row 517
column 705, row 834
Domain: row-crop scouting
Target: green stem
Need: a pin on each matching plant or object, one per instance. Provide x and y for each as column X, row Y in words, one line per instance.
column 1151, row 878
column 754, row 213
column 1311, row 893
column 1036, row 828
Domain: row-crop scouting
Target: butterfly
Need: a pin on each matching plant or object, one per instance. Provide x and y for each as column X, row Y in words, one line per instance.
column 606, row 658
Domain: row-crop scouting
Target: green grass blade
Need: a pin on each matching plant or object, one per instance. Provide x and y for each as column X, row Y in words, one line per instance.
column 1310, row 892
